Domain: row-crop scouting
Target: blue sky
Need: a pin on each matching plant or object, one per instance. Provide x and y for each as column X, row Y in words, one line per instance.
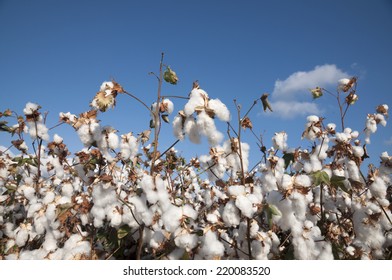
column 57, row 54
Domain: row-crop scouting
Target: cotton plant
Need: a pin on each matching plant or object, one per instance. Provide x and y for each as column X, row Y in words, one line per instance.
column 124, row 196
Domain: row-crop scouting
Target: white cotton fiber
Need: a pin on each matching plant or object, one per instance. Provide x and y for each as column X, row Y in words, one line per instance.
column 220, row 109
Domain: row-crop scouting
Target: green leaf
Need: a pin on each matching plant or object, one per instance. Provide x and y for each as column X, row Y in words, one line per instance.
column 274, row 210
column 321, row 177
column 288, row 158
column 123, row 231
column 338, row 182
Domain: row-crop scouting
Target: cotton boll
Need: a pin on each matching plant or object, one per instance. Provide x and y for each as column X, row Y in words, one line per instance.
column 195, row 99
column 358, row 151
column 176, row 254
column 171, row 218
column 236, row 190
column 353, row 171
column 21, row 235
column 67, row 190
column 191, row 130
column 106, row 86
column 220, row 109
column 303, row 180
column 231, row 214
column 280, row 141
column 212, row 248
column 342, row 83
column 168, row 105
column 156, row 239
column 141, row 209
column 29, row 193
column 245, row 206
column 378, row 188
column 114, row 216
column 178, row 127
column 50, row 243
column 186, row 241
column 84, row 135
column 30, row 108
column 207, row 127
column 113, row 141
column 33, row 209
column 212, row 218
column 189, row 211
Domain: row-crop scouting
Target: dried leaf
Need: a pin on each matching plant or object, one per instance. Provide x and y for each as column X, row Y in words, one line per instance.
column 246, row 123
column 264, row 101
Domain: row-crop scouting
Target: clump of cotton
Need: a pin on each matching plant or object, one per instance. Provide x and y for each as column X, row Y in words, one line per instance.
column 280, row 141
column 129, row 146
column 186, row 241
column 231, row 214
column 212, row 248
column 207, row 128
column 219, row 109
column 197, row 97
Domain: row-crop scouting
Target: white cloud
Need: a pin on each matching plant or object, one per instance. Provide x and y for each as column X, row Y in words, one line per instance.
column 290, row 97
column 290, row 109
column 388, row 142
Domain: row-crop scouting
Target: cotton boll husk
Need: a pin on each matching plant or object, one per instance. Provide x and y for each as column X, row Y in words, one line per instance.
column 220, row 109
column 186, row 241
column 231, row 214
column 211, row 246
column 178, row 127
